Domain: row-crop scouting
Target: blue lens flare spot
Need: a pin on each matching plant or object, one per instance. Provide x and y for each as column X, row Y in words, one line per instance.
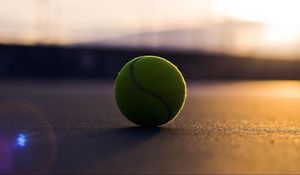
column 21, row 140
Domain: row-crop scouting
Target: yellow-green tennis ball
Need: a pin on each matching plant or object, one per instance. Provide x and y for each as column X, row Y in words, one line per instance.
column 150, row 91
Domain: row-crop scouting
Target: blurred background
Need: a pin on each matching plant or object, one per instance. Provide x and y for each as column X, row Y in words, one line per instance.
column 206, row 39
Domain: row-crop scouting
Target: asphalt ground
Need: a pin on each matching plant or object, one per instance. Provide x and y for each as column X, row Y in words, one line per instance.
column 75, row 127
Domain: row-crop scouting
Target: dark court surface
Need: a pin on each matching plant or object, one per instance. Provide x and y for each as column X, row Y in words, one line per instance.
column 75, row 127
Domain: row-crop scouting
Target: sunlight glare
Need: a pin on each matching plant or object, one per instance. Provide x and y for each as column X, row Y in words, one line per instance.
column 280, row 16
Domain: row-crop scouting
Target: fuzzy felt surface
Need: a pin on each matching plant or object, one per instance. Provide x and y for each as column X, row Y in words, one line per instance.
column 150, row 91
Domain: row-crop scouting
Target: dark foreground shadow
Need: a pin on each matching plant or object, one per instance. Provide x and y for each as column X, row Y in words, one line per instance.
column 101, row 149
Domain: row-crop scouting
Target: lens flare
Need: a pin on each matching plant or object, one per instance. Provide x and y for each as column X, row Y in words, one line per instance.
column 21, row 140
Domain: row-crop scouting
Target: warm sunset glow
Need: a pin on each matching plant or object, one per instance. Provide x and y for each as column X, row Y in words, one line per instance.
column 280, row 16
column 288, row 89
column 276, row 89
column 255, row 28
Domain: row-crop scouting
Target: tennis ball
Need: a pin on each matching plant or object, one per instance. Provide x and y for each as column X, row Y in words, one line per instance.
column 150, row 91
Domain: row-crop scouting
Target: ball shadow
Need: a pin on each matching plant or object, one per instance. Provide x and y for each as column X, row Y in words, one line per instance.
column 81, row 152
